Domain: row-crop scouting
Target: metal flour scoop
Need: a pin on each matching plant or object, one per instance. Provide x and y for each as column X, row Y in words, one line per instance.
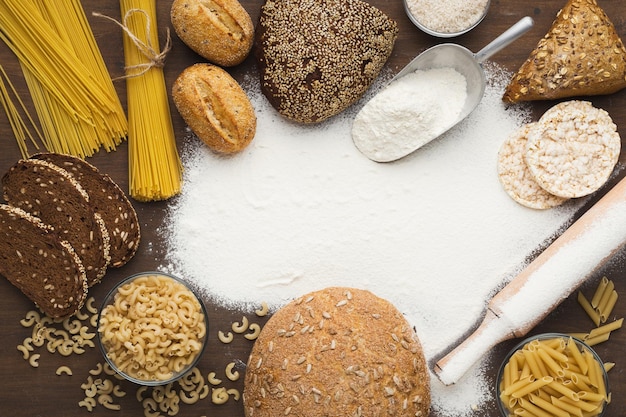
column 468, row 64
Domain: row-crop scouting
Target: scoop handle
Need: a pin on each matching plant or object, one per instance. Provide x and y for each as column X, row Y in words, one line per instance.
column 506, row 38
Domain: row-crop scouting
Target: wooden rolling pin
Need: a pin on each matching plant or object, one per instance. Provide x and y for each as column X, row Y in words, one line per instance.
column 559, row 270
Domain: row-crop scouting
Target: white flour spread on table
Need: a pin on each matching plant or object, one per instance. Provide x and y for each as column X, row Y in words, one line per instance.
column 301, row 209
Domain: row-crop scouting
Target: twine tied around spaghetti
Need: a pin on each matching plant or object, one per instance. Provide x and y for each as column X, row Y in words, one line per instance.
column 155, row 58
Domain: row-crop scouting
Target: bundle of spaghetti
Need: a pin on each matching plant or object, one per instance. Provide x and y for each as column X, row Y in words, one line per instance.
column 17, row 117
column 155, row 169
column 78, row 107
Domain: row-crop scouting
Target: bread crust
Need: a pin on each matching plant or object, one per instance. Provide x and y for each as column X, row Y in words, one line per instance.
column 337, row 351
column 219, row 30
column 108, row 199
column 215, row 107
column 40, row 264
column 581, row 55
column 50, row 193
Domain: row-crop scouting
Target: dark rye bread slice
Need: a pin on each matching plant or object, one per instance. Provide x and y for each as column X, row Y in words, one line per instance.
column 318, row 58
column 52, row 194
column 109, row 201
column 43, row 266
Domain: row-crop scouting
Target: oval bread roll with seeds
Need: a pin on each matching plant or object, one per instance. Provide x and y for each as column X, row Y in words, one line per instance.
column 337, row 352
column 219, row 30
column 516, row 178
column 573, row 149
column 215, row 107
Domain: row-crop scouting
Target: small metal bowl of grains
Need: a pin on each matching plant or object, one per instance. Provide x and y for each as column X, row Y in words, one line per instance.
column 552, row 374
column 446, row 18
column 152, row 328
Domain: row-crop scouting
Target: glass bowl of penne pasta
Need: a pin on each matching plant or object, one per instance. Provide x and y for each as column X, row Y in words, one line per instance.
column 552, row 374
column 152, row 328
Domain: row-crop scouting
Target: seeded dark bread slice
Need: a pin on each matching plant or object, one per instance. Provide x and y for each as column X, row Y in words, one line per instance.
column 317, row 58
column 337, row 352
column 44, row 267
column 581, row 55
column 52, row 194
column 109, row 201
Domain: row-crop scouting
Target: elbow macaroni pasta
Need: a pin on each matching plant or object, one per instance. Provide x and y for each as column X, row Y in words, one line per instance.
column 555, row 376
column 154, row 328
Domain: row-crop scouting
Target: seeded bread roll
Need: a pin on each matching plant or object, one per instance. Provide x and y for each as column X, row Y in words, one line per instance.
column 337, row 352
column 215, row 107
column 317, row 58
column 108, row 200
column 52, row 194
column 581, row 55
column 43, row 266
column 219, row 30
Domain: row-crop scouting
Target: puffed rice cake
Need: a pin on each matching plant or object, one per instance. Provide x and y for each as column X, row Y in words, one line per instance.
column 573, row 150
column 516, row 178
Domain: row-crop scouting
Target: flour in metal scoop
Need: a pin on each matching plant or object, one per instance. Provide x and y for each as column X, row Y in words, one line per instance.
column 410, row 112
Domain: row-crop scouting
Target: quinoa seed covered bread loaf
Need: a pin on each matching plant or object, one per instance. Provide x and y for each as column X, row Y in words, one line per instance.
column 316, row 58
column 337, row 352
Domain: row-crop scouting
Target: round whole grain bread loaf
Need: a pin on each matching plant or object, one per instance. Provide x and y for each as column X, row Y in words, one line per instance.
column 337, row 351
column 316, row 58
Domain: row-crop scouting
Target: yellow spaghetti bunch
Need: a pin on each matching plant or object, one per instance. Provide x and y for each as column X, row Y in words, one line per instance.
column 78, row 107
column 17, row 116
column 155, row 170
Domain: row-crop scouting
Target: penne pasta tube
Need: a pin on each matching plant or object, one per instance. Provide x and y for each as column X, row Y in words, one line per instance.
column 600, row 289
column 548, row 406
column 516, row 386
column 592, row 341
column 533, row 409
column 570, row 408
column 577, row 355
column 588, row 308
column 533, row 386
column 606, row 311
column 606, row 328
column 586, row 407
column 550, row 363
column 561, row 388
column 606, row 294
column 608, row 366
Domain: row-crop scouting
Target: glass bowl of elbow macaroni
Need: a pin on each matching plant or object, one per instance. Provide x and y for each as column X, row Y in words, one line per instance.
column 552, row 374
column 152, row 328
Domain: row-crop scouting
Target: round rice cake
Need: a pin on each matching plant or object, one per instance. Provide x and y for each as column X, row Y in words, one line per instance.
column 573, row 150
column 338, row 351
column 515, row 176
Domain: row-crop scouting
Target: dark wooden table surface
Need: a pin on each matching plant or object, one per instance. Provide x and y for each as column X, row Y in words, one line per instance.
column 29, row 391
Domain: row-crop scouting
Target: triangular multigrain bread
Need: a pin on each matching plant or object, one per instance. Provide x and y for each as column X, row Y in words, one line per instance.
column 581, row 55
